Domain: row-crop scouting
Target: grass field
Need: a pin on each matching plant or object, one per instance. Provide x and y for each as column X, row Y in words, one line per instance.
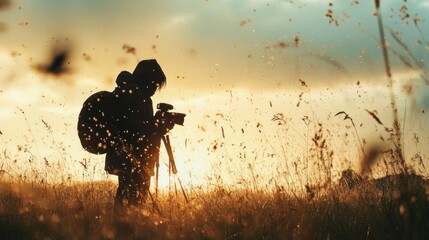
column 400, row 210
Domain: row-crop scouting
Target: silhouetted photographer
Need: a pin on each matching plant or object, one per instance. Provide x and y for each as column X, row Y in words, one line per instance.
column 122, row 124
column 138, row 132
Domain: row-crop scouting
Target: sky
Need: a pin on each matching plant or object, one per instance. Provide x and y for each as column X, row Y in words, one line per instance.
column 230, row 65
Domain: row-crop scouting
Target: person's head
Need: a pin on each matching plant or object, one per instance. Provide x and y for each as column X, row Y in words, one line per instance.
column 150, row 75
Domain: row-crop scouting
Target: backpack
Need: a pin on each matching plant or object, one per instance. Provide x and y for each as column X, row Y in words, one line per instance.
column 95, row 123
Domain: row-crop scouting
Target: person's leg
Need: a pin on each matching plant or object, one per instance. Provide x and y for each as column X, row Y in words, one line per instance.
column 144, row 186
column 133, row 198
column 123, row 191
column 140, row 188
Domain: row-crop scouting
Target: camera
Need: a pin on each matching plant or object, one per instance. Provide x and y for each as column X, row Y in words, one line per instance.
column 174, row 117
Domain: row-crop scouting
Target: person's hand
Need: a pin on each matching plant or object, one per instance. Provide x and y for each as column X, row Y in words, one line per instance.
column 163, row 123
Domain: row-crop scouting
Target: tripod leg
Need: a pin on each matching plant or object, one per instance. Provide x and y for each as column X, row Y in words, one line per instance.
column 172, row 163
column 167, row 144
column 156, row 179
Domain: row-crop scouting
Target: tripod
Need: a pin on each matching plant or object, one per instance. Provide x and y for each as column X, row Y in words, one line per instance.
column 171, row 167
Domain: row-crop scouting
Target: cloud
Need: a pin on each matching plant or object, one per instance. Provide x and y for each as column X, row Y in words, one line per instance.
column 180, row 19
column 424, row 4
column 315, row 2
column 20, row 96
column 6, row 112
column 228, row 33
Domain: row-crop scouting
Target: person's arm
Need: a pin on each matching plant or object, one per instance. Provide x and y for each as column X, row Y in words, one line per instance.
column 151, row 134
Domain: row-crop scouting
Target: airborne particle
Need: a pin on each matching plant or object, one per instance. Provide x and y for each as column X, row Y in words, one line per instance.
column 86, row 57
column 56, row 65
column 4, row 4
column 3, row 27
column 282, row 45
column 296, row 40
column 244, row 22
column 129, row 49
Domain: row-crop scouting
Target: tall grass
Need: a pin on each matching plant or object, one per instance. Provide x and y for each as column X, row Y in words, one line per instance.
column 396, row 129
column 85, row 212
column 395, row 207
